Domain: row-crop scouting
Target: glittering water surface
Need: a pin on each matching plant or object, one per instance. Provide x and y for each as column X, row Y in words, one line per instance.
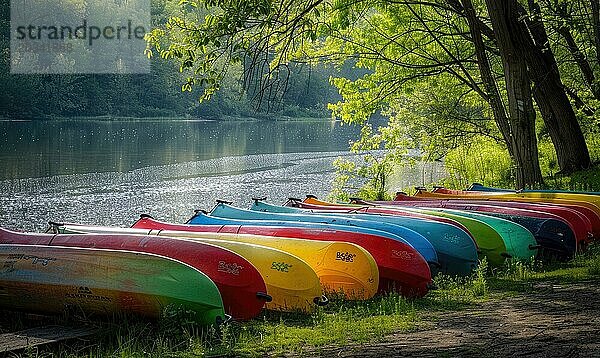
column 108, row 173
column 168, row 192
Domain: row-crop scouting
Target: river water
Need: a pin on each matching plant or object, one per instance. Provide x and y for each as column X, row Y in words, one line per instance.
column 110, row 172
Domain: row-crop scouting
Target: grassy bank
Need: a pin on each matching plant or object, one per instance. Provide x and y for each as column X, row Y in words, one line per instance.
column 487, row 162
column 340, row 323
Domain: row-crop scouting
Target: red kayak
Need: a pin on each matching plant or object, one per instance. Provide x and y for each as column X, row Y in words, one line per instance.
column 443, row 193
column 401, row 267
column 576, row 229
column 578, row 216
column 241, row 286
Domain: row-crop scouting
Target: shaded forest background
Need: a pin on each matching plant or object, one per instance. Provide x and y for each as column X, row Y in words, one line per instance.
column 306, row 90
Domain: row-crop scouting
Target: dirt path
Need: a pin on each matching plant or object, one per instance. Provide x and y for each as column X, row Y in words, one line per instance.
column 552, row 321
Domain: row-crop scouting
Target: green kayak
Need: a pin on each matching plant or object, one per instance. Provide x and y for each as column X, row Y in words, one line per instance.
column 519, row 242
column 52, row 279
column 490, row 243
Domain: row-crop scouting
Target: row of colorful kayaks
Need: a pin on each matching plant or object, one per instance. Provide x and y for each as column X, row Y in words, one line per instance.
column 233, row 262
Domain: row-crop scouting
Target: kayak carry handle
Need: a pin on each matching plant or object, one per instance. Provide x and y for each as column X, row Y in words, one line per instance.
column 473, row 185
column 434, row 264
column 264, row 296
column 221, row 321
column 294, row 199
column 219, row 201
column 506, row 255
column 321, row 301
column 419, row 189
column 146, row 216
column 401, row 193
column 262, row 198
column 54, row 227
column 310, row 196
column 197, row 211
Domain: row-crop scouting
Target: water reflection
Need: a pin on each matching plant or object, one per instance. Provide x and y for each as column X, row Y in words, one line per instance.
column 47, row 148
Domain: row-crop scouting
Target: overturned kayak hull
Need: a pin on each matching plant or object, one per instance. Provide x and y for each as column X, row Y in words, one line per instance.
column 400, row 267
column 555, row 236
column 457, row 253
column 582, row 220
column 590, row 202
column 52, row 279
column 488, row 241
column 291, row 283
column 243, row 290
column 420, row 243
column 591, row 210
column 482, row 188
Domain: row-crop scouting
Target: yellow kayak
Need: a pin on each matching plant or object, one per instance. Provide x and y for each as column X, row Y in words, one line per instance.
column 342, row 267
column 314, row 201
column 290, row 281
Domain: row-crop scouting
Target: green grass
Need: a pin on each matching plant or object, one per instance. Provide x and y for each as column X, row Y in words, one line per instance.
column 340, row 323
column 522, row 276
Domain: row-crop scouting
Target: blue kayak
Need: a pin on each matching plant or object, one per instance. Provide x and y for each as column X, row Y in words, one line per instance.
column 256, row 218
column 456, row 250
column 489, row 189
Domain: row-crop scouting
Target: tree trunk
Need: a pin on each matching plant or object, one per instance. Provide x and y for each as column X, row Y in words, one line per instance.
column 551, row 98
column 489, row 83
column 580, row 60
column 596, row 27
column 503, row 15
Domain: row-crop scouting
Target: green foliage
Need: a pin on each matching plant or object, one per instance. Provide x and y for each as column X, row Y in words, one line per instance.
column 370, row 177
column 480, row 161
column 518, row 270
column 208, row 38
column 593, row 266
